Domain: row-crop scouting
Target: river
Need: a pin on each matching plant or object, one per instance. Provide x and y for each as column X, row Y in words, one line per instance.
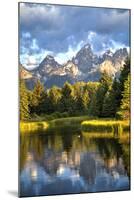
column 66, row 161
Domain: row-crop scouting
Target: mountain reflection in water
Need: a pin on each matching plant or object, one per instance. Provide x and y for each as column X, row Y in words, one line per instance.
column 71, row 162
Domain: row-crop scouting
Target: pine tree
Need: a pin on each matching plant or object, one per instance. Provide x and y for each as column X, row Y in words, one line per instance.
column 111, row 100
column 124, row 111
column 38, row 95
column 54, row 96
column 105, row 84
column 24, row 103
column 124, row 73
column 85, row 100
column 93, row 111
column 123, row 76
column 67, row 98
column 82, row 102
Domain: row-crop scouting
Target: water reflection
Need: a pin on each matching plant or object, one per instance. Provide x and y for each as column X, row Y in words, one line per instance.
column 72, row 162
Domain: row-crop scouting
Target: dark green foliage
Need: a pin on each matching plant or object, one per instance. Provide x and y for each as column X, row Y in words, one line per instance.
column 107, row 101
column 93, row 111
column 71, row 99
column 124, row 82
column 93, row 88
column 37, row 98
column 85, row 100
column 82, row 102
column 24, row 102
column 123, row 76
column 105, row 84
column 67, row 98
column 124, row 111
column 54, row 96
column 111, row 100
column 125, row 103
column 124, row 73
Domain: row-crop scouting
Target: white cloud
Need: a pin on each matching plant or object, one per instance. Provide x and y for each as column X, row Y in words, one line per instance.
column 116, row 45
column 64, row 57
column 100, row 43
column 34, row 45
column 33, row 61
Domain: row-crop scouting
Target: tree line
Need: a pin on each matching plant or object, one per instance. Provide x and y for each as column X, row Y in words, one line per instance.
column 106, row 98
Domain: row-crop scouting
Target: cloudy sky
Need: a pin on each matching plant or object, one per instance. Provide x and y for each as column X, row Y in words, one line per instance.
column 61, row 31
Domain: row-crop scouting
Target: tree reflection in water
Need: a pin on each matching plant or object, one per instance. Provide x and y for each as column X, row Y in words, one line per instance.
column 68, row 161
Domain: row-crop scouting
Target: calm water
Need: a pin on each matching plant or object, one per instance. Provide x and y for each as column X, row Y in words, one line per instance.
column 69, row 161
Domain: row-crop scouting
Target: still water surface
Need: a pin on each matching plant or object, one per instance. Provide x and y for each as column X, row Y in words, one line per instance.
column 70, row 161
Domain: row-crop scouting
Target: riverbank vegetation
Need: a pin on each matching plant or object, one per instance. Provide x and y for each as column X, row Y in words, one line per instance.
column 33, row 126
column 55, row 123
column 85, row 123
column 105, row 125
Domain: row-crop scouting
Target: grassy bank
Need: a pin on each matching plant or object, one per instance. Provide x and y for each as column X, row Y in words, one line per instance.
column 33, row 126
column 106, row 125
column 44, row 125
column 84, row 122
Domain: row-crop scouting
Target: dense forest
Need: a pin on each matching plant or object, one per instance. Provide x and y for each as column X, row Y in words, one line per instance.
column 109, row 98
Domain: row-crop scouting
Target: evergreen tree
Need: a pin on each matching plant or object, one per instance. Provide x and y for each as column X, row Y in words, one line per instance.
column 92, row 88
column 111, row 100
column 82, row 102
column 124, row 73
column 24, row 103
column 123, row 76
column 124, row 111
column 107, row 100
column 67, row 98
column 85, row 100
column 93, row 111
column 54, row 96
column 37, row 99
column 105, row 84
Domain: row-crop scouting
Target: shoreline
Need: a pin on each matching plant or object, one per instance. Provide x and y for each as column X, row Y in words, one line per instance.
column 86, row 123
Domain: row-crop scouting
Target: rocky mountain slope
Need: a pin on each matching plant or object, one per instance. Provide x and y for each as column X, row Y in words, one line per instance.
column 85, row 66
column 24, row 74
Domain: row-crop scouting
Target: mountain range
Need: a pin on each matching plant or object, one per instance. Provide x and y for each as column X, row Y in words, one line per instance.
column 85, row 66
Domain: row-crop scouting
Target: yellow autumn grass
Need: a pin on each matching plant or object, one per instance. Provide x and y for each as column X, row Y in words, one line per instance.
column 33, row 126
column 44, row 125
column 105, row 125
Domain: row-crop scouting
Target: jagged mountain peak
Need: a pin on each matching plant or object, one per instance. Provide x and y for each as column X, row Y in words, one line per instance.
column 49, row 60
column 47, row 65
column 86, row 49
column 85, row 58
column 87, row 46
column 122, row 52
column 85, row 66
column 107, row 55
column 49, row 57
